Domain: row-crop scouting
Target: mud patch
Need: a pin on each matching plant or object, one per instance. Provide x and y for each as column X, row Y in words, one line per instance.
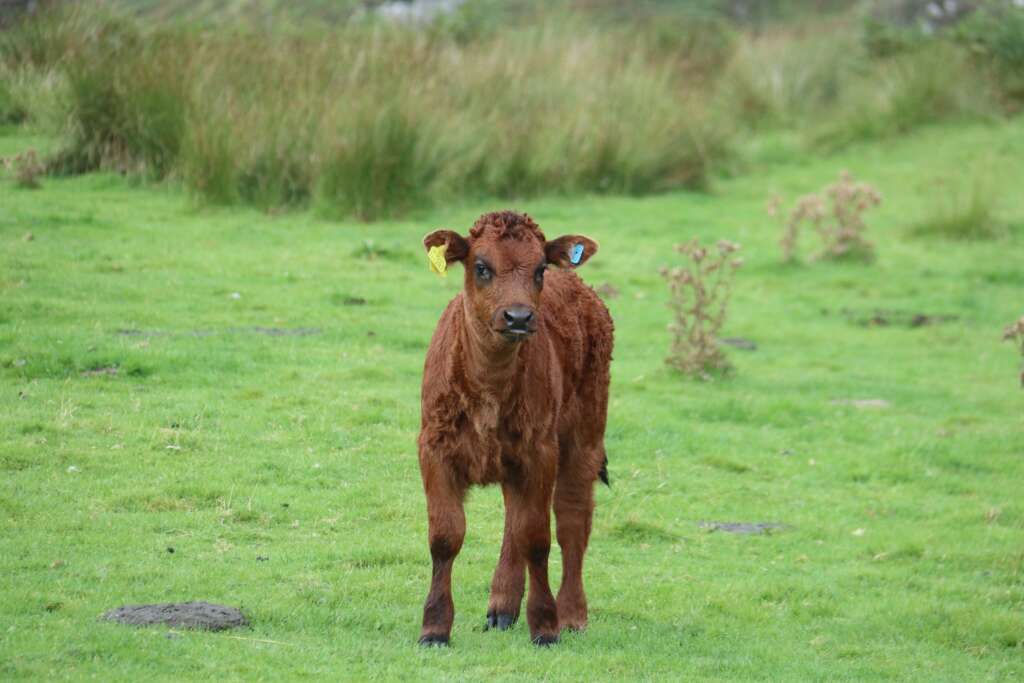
column 108, row 371
column 893, row 318
column 739, row 343
column 264, row 331
column 195, row 615
column 371, row 251
column 749, row 528
column 607, row 291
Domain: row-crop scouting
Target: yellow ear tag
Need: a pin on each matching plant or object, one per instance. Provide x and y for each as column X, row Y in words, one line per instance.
column 438, row 264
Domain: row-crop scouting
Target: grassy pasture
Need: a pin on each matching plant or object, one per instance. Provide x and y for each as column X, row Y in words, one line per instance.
column 242, row 389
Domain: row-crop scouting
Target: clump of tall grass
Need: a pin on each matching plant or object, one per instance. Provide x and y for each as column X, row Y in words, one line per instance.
column 788, row 76
column 371, row 120
column 819, row 76
column 11, row 111
column 126, row 100
column 963, row 212
column 994, row 35
column 904, row 92
column 699, row 294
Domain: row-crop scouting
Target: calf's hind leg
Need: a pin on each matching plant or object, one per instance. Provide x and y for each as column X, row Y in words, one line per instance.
column 574, row 510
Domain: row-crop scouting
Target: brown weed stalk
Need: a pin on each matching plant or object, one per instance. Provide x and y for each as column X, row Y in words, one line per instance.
column 1015, row 334
column 699, row 293
column 27, row 168
column 836, row 214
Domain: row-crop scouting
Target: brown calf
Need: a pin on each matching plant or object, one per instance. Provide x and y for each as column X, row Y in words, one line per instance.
column 515, row 392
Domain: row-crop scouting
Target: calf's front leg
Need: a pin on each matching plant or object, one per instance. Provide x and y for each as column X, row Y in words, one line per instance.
column 508, row 584
column 529, row 508
column 447, row 529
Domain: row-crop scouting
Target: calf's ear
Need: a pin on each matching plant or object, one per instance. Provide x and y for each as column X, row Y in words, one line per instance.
column 570, row 251
column 458, row 246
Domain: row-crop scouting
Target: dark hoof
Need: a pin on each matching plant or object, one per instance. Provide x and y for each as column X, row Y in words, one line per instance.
column 434, row 640
column 500, row 621
column 545, row 641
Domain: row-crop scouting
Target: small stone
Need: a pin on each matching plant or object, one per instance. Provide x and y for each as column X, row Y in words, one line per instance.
column 235, row 295
column 859, row 532
column 753, row 528
column 73, row 470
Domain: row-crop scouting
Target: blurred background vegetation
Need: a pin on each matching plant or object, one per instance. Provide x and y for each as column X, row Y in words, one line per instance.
column 369, row 109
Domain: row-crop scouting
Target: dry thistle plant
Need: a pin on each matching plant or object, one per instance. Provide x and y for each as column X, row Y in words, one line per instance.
column 836, row 214
column 27, row 168
column 699, row 292
column 1015, row 333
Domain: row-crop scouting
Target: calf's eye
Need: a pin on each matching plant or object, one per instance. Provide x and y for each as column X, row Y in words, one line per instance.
column 482, row 271
column 538, row 275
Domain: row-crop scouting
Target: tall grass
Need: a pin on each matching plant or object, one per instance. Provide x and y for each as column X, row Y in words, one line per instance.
column 373, row 120
column 935, row 83
column 126, row 98
column 819, row 78
column 965, row 210
column 11, row 110
column 369, row 119
column 788, row 76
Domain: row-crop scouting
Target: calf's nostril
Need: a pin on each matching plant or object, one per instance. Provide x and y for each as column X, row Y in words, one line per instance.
column 517, row 317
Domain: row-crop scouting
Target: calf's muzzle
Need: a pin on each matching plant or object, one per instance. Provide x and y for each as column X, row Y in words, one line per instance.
column 515, row 322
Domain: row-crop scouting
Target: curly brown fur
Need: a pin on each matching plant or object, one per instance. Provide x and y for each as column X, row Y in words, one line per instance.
column 507, row 225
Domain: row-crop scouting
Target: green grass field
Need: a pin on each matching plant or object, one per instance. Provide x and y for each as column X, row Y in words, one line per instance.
column 244, row 389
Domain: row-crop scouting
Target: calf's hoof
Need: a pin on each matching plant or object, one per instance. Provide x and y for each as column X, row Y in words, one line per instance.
column 500, row 620
column 434, row 640
column 545, row 640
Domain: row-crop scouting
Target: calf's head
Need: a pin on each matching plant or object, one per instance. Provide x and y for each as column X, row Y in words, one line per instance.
column 505, row 257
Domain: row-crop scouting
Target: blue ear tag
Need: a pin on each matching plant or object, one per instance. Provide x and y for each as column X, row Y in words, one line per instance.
column 576, row 254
